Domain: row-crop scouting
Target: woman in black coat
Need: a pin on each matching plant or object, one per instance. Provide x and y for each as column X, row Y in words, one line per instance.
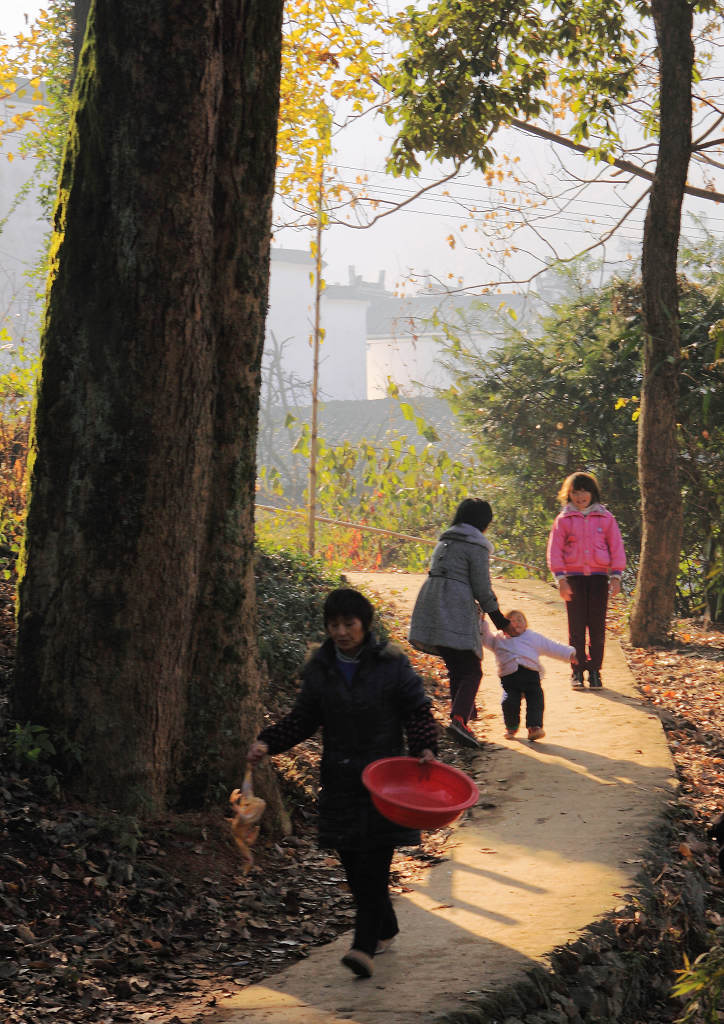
column 365, row 696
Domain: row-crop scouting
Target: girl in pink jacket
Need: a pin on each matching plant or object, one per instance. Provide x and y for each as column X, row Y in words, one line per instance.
column 585, row 554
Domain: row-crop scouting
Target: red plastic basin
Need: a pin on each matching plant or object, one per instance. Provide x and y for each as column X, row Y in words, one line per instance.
column 426, row 796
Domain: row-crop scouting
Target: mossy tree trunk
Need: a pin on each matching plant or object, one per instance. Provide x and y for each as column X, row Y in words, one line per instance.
column 661, row 503
column 136, row 632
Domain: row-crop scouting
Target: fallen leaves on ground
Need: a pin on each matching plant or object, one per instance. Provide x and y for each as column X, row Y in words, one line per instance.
column 97, row 921
column 684, row 683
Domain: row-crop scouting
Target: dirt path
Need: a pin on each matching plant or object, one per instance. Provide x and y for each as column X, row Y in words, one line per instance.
column 554, row 843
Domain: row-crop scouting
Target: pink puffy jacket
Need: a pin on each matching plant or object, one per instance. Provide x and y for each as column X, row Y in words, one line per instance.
column 582, row 545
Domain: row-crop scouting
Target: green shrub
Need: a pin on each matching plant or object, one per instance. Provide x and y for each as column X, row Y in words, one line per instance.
column 701, row 984
column 291, row 588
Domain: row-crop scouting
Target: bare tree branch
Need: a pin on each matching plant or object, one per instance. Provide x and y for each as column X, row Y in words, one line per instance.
column 405, row 202
column 624, row 165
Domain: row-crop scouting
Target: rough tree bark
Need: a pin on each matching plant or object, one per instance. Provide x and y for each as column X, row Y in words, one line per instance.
column 657, row 439
column 136, row 632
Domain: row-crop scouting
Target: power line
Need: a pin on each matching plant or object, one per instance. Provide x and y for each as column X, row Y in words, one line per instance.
column 382, row 190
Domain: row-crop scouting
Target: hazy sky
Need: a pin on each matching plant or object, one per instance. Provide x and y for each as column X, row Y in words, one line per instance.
column 417, row 238
column 11, row 15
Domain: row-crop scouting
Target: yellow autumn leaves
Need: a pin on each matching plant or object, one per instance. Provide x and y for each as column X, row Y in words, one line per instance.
column 334, row 55
column 23, row 65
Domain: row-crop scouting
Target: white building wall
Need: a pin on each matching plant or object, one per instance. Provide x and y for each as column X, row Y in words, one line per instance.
column 342, row 357
column 291, row 315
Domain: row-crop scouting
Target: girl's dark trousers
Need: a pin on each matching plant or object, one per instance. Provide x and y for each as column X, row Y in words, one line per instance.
column 368, row 875
column 464, row 672
column 587, row 611
column 524, row 682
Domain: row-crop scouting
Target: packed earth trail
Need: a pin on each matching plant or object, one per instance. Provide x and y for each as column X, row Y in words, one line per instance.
column 554, row 843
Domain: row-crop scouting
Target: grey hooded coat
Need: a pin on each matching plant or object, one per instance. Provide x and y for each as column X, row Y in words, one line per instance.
column 446, row 613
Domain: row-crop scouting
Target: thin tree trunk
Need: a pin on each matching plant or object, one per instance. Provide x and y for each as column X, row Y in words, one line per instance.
column 316, row 342
column 657, row 440
column 137, row 608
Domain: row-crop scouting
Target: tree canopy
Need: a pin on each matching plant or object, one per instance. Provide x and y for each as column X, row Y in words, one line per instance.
column 470, row 67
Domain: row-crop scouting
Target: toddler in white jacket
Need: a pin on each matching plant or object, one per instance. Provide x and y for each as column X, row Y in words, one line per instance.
column 517, row 653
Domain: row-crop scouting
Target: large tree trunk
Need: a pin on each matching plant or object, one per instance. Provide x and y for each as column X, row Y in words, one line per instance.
column 657, row 441
column 136, row 642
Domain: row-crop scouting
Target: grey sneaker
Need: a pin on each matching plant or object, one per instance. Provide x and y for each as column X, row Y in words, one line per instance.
column 594, row 679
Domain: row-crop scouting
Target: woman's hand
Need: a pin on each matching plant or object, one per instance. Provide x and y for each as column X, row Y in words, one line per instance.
column 614, row 586
column 257, row 752
column 426, row 756
column 564, row 589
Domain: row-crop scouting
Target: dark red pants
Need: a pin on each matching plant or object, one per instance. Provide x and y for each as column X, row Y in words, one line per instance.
column 587, row 615
column 464, row 672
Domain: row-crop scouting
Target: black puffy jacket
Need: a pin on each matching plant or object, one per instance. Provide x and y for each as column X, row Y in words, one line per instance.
column 361, row 721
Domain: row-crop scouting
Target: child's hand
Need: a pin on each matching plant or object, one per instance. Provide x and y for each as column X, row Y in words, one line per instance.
column 614, row 586
column 564, row 589
column 257, row 752
column 426, row 756
column 574, row 660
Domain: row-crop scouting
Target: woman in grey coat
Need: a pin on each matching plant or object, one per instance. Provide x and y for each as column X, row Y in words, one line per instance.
column 445, row 620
